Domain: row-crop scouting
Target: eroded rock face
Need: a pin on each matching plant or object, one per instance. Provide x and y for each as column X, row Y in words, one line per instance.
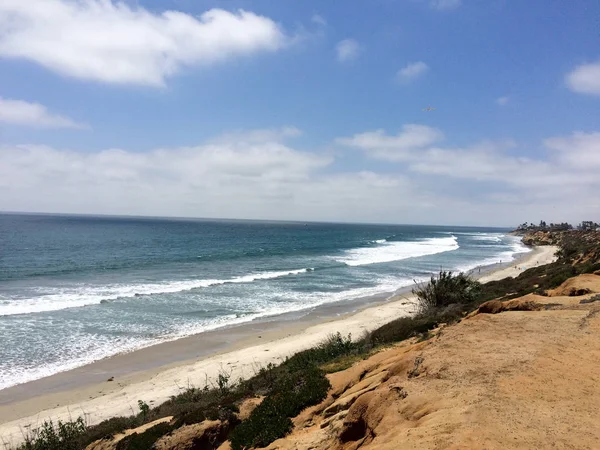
column 518, row 304
column 199, row 436
column 581, row 285
column 543, row 238
column 111, row 444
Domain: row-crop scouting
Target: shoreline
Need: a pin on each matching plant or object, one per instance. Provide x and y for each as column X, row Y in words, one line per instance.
column 193, row 361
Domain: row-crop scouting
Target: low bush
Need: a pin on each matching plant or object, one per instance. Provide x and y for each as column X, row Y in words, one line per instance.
column 402, row 328
column 225, row 411
column 333, row 347
column 446, row 289
column 62, row 436
column 270, row 420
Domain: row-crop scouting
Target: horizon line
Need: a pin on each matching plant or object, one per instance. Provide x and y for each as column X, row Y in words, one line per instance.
column 231, row 219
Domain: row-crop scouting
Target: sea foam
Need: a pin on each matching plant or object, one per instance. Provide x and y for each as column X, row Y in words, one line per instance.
column 96, row 350
column 396, row 251
column 63, row 298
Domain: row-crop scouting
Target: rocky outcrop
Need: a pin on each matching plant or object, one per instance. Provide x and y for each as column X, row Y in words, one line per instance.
column 111, row 443
column 518, row 304
column 581, row 285
column 543, row 238
column 206, row 435
column 209, row 434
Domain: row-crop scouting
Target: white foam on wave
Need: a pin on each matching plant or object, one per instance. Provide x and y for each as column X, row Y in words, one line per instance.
column 516, row 248
column 88, row 295
column 489, row 238
column 96, row 350
column 396, row 251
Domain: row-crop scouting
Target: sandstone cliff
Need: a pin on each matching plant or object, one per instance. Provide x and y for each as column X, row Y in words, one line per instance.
column 525, row 377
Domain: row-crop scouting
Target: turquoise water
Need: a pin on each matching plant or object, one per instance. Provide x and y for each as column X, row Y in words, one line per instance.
column 77, row 289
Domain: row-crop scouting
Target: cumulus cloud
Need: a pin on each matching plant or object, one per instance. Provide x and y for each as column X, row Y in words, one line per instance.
column 319, row 20
column 411, row 72
column 502, row 101
column 19, row 112
column 444, row 5
column 259, row 174
column 568, row 172
column 580, row 150
column 250, row 174
column 111, row 42
column 400, row 147
column 347, row 50
column 585, row 79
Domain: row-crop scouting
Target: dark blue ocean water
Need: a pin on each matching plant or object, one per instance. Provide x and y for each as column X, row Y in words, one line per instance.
column 77, row 289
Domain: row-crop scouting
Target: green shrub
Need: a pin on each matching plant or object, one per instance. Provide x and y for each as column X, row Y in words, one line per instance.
column 270, row 420
column 63, row 436
column 446, row 289
column 589, row 267
column 333, row 347
column 144, row 409
column 402, row 328
column 224, row 411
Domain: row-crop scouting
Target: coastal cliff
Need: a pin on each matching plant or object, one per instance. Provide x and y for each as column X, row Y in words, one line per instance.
column 577, row 246
column 511, row 375
column 546, row 237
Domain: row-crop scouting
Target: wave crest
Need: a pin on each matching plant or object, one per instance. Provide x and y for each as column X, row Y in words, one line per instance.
column 85, row 296
column 398, row 250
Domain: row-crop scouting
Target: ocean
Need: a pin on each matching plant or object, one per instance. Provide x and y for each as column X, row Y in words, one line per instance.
column 76, row 289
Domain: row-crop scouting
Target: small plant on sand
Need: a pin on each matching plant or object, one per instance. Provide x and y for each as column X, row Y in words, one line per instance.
column 144, row 409
column 223, row 381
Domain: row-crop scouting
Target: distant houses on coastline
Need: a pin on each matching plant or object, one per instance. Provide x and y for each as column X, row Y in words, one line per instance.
column 586, row 225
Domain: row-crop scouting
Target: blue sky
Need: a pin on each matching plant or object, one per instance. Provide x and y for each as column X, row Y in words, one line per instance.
column 133, row 108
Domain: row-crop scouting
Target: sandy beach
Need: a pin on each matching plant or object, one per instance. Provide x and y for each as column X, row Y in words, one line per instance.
column 195, row 361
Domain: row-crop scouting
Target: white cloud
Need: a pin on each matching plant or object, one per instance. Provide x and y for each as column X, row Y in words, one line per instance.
column 580, row 150
column 258, row 175
column 585, row 79
column 19, row 112
column 502, row 101
column 444, row 5
column 247, row 177
column 566, row 178
column 257, row 136
column 319, row 20
column 347, row 50
column 411, row 72
column 394, row 148
column 112, row 42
